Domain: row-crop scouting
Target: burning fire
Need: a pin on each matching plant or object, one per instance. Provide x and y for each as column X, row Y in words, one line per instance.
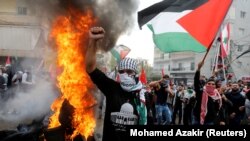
column 69, row 34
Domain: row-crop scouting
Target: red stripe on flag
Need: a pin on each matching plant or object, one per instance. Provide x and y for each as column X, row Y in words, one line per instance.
column 225, row 49
column 124, row 53
column 203, row 23
column 143, row 77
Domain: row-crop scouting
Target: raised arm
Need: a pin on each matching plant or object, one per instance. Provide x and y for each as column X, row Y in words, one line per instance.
column 197, row 77
column 96, row 34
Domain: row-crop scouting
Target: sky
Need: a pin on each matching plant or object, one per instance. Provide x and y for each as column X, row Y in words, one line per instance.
column 140, row 41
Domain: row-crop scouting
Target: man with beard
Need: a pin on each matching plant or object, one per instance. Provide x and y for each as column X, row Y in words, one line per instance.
column 125, row 101
column 236, row 113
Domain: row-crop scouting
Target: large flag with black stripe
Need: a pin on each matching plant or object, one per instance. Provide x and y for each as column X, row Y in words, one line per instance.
column 184, row 25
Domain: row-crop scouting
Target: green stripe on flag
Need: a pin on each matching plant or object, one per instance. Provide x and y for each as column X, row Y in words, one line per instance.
column 115, row 54
column 176, row 42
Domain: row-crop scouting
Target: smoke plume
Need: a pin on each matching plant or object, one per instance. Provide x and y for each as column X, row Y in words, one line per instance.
column 115, row 16
column 24, row 107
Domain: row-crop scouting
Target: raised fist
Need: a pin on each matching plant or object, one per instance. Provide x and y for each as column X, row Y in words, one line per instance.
column 96, row 33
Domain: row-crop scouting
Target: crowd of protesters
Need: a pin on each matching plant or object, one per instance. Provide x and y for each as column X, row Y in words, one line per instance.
column 129, row 102
column 12, row 82
column 205, row 102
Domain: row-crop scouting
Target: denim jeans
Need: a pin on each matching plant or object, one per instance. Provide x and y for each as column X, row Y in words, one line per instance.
column 163, row 114
column 196, row 122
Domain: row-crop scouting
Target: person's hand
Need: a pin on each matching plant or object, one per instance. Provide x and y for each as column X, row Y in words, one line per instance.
column 242, row 108
column 96, row 33
column 223, row 89
column 232, row 116
column 222, row 123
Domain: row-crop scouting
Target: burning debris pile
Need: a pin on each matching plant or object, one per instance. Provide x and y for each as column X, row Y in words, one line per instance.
column 69, row 34
column 62, row 132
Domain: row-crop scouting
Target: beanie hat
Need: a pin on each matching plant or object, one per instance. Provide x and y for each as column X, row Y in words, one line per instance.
column 128, row 63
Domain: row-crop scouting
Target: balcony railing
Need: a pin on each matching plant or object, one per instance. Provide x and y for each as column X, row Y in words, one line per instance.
column 20, row 20
column 178, row 69
column 183, row 69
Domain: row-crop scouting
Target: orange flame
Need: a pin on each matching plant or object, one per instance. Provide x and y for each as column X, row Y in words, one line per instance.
column 69, row 34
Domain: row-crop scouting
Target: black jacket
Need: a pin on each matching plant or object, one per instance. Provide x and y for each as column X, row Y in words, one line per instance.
column 213, row 110
column 117, row 114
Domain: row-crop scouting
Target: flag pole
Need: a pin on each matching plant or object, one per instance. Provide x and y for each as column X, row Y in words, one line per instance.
column 217, row 59
column 208, row 49
column 224, row 71
column 210, row 46
column 215, row 63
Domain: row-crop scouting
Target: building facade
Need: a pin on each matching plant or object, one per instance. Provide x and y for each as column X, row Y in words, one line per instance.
column 179, row 66
column 239, row 18
column 24, row 30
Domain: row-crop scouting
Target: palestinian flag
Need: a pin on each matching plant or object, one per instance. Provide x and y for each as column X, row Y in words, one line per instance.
column 184, row 25
column 225, row 41
column 120, row 52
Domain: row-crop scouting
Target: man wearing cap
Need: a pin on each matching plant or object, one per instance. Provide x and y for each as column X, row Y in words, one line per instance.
column 125, row 100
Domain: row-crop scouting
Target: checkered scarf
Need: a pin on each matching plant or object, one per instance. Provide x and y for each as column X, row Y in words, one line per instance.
column 128, row 63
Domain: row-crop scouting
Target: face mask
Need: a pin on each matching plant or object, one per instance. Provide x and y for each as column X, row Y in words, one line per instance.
column 210, row 89
column 127, row 82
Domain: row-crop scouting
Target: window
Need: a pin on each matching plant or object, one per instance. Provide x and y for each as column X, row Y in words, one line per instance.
column 192, row 66
column 180, row 65
column 162, row 55
column 240, row 48
column 241, row 31
column 242, row 14
column 22, row 10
